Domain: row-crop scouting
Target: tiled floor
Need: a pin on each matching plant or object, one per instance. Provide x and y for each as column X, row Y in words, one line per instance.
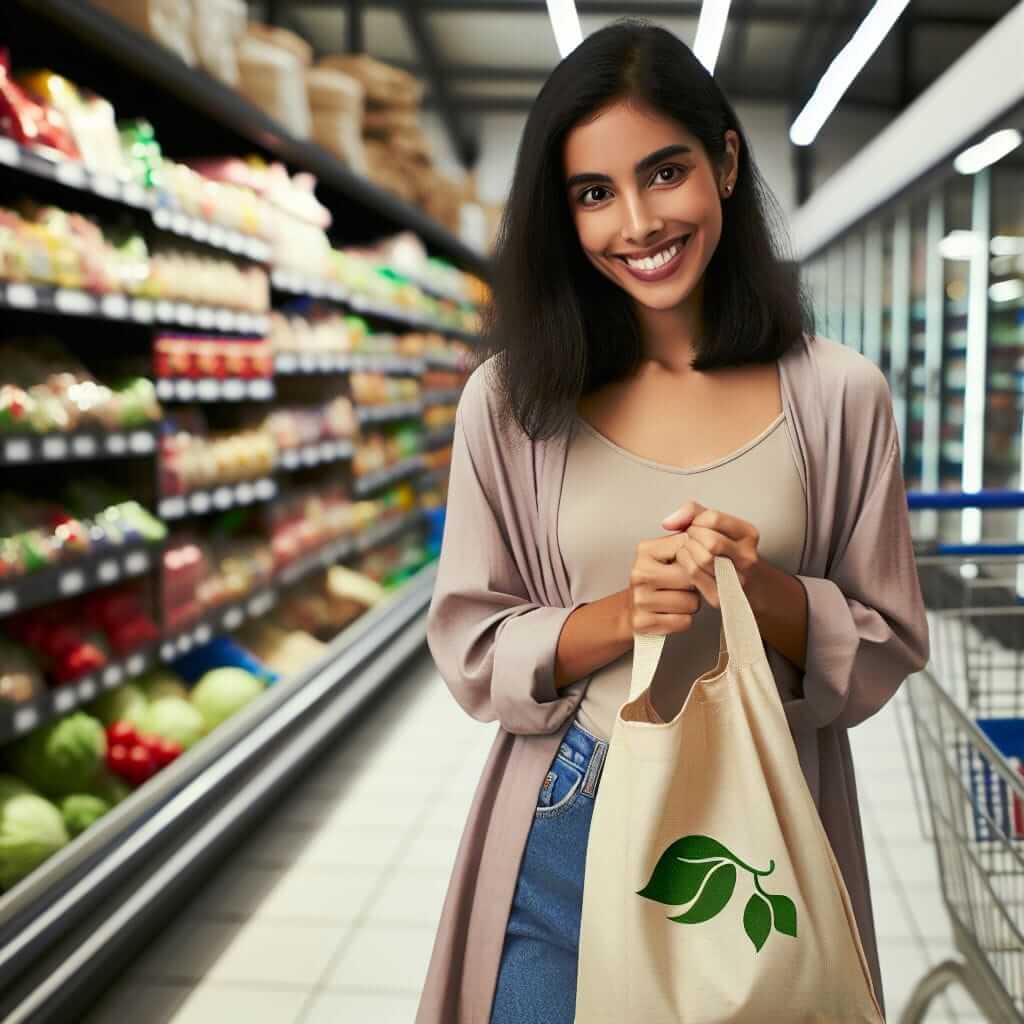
column 327, row 915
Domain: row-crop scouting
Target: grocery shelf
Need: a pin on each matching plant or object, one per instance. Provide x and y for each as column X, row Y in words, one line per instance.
column 217, row 499
column 76, row 446
column 363, row 485
column 51, row 299
column 382, row 413
column 449, row 397
column 211, row 389
column 370, row 307
column 74, row 175
column 316, row 454
column 382, row 533
column 18, row 719
column 443, row 361
column 322, row 558
column 294, row 282
column 76, row 576
column 432, row 477
column 219, row 620
column 440, row 436
column 288, row 363
column 235, row 243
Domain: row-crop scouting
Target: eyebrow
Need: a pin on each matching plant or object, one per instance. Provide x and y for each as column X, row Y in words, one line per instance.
column 646, row 164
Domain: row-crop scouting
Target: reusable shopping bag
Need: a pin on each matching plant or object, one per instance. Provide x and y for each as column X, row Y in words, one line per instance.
column 712, row 895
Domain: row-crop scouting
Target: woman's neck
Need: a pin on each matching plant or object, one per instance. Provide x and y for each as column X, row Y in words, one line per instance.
column 670, row 336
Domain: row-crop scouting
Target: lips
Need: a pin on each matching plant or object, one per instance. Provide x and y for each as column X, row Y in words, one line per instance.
column 667, row 268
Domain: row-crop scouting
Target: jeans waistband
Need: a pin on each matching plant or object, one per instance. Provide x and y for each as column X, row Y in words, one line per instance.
column 587, row 752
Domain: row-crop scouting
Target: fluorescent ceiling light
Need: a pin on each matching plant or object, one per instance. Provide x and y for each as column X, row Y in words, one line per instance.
column 710, row 29
column 566, row 25
column 960, row 245
column 844, row 69
column 988, row 151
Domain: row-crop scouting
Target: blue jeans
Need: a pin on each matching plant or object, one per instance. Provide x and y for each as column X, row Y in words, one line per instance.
column 537, row 976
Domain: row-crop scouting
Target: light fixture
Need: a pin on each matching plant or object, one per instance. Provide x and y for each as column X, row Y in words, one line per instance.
column 565, row 23
column 710, row 30
column 844, row 69
column 988, row 151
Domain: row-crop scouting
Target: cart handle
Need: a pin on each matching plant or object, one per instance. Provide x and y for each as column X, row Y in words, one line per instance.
column 959, row 499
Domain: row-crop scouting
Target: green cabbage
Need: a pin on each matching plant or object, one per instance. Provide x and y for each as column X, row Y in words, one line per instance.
column 80, row 810
column 223, row 692
column 174, row 719
column 61, row 757
column 125, row 704
column 161, row 683
column 31, row 829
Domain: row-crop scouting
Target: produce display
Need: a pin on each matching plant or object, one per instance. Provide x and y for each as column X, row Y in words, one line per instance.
column 198, row 356
column 386, row 445
column 36, row 534
column 192, row 457
column 304, row 523
column 294, row 427
column 44, row 389
column 383, row 388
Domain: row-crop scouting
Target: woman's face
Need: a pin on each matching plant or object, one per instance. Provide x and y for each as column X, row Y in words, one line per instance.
column 646, row 201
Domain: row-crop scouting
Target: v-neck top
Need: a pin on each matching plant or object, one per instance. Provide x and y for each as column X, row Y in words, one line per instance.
column 612, row 499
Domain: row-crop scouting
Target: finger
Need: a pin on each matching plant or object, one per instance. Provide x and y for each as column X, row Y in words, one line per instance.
column 704, row 583
column 661, row 575
column 672, row 602
column 662, row 549
column 683, row 516
column 730, row 526
column 714, row 542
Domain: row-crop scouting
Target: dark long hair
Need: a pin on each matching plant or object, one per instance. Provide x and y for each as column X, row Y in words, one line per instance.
column 557, row 327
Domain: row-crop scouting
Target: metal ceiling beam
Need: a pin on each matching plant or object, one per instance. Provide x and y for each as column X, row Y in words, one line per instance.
column 647, row 9
column 731, row 62
column 465, row 145
column 355, row 37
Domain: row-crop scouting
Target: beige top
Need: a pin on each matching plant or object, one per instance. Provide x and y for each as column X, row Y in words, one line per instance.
column 613, row 499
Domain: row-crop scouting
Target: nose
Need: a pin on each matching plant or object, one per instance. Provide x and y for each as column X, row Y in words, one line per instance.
column 640, row 224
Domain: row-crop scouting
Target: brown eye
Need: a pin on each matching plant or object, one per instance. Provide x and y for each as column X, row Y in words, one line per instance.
column 672, row 169
column 589, row 192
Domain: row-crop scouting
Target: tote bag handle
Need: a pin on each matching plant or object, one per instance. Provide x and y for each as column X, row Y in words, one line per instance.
column 741, row 637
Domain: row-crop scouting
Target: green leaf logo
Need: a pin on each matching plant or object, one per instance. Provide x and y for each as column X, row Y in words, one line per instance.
column 700, row 872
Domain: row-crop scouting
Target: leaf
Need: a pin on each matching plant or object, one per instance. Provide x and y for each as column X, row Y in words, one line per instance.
column 757, row 920
column 701, row 848
column 714, row 896
column 784, row 911
column 676, row 882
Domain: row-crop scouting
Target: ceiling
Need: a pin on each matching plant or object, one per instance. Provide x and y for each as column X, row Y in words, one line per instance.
column 479, row 57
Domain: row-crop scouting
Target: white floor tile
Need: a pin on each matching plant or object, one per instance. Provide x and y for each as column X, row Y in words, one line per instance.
column 384, row 958
column 410, row 896
column 310, row 846
column 204, row 1004
column 340, row 1008
column 892, row 920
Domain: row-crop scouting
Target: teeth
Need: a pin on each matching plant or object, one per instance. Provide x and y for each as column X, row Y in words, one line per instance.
column 657, row 260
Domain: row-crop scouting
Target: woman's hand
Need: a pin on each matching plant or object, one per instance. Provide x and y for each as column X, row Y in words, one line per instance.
column 707, row 534
column 662, row 599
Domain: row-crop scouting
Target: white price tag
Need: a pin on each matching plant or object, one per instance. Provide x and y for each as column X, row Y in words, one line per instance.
column 136, row 663
column 8, row 602
column 199, row 502
column 172, row 508
column 165, row 311
column 22, row 296
column 25, row 720
column 137, row 562
column 186, row 390
column 185, row 313
column 84, row 446
column 266, row 489
column 205, row 316
column 233, row 618
column 285, row 363
column 203, row 634
column 184, row 643
column 218, row 236
column 324, row 363
column 244, row 493
column 113, row 675
column 209, row 390
column 69, row 173
column 71, row 582
column 107, row 186
column 326, row 450
column 309, row 455
column 64, row 699
column 289, row 459
column 9, row 153
column 141, row 442
column 74, row 302
column 142, row 311
column 114, row 306
column 167, row 651
column 225, row 320
column 222, row 497
column 18, row 451
column 108, row 571
column 55, row 448
column 134, row 195
column 261, row 389
column 234, row 389
column 162, row 217
column 117, row 444
column 308, row 361
column 199, row 230
column 179, row 224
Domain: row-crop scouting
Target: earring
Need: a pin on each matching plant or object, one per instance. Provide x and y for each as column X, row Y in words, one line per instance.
column 728, row 189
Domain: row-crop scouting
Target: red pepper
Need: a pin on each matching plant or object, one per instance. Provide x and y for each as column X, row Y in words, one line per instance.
column 117, row 759
column 140, row 765
column 167, row 751
column 122, row 732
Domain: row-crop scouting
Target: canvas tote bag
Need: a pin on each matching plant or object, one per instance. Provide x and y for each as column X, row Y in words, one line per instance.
column 711, row 894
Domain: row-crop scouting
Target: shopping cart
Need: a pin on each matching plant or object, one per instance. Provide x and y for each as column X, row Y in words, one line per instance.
column 967, row 712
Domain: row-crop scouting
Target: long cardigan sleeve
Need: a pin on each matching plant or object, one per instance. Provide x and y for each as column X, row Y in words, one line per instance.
column 867, row 629
column 492, row 635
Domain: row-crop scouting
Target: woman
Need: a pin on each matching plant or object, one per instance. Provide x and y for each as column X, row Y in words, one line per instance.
column 650, row 357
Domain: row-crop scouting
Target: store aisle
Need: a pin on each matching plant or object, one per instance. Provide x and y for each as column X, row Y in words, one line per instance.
column 327, row 914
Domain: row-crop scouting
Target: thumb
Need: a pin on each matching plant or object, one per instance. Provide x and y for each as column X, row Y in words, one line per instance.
column 682, row 517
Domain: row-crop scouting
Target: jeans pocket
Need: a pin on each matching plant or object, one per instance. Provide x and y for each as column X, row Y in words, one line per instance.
column 561, row 787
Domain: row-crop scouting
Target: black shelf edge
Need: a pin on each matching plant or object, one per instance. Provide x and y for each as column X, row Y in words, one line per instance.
column 167, row 217
column 294, row 363
column 449, row 397
column 22, row 718
column 386, row 413
column 232, row 389
column 363, row 485
column 323, row 558
column 319, row 454
column 204, row 95
column 294, row 282
column 74, row 175
column 76, row 446
column 440, row 436
column 381, row 533
column 432, row 477
column 45, row 298
column 439, row 361
column 77, row 576
column 217, row 499
column 369, row 307
column 217, row 621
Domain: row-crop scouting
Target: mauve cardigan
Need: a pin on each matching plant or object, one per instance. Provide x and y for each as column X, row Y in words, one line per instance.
column 502, row 596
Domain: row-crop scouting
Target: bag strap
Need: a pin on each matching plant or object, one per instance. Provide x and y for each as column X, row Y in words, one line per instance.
column 740, row 635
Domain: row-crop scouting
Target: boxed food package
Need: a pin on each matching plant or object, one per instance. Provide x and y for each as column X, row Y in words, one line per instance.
column 270, row 76
column 169, row 22
column 282, row 39
column 336, row 101
column 385, row 85
column 217, row 28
